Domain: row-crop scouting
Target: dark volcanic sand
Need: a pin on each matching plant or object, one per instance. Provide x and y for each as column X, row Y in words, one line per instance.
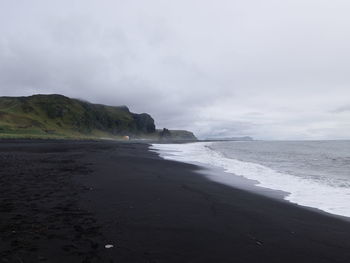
column 64, row 201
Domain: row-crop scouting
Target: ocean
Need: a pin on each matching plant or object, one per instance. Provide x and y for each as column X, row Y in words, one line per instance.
column 310, row 173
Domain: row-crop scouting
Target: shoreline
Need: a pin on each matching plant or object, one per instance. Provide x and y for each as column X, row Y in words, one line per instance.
column 224, row 175
column 250, row 186
column 77, row 197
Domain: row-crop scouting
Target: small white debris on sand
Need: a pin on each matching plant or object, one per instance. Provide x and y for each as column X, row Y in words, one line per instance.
column 109, row 246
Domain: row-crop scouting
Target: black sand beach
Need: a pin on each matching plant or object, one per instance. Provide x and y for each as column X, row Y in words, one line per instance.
column 63, row 201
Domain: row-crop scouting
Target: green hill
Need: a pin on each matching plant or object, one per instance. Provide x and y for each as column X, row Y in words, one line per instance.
column 175, row 135
column 57, row 116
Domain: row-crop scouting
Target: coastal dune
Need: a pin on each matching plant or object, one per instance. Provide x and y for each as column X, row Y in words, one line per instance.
column 86, row 201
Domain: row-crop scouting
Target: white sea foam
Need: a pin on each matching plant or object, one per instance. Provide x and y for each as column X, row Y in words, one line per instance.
column 302, row 191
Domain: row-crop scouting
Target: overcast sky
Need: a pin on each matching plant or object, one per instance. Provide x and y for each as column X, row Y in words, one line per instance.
column 270, row 69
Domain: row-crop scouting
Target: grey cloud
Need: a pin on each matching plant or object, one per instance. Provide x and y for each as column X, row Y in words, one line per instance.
column 271, row 69
column 341, row 109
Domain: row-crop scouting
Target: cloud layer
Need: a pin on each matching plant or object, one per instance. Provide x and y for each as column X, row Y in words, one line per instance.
column 269, row 69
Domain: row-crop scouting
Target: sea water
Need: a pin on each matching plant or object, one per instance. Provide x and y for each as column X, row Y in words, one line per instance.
column 311, row 173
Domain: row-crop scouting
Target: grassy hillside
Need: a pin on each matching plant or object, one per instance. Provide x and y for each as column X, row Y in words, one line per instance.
column 56, row 116
column 175, row 135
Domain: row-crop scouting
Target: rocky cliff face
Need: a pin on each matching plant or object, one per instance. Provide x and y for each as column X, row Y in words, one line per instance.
column 144, row 123
column 176, row 135
column 57, row 116
column 62, row 116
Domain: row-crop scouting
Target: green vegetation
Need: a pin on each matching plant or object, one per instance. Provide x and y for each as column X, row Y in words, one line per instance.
column 182, row 135
column 56, row 116
column 175, row 135
column 60, row 117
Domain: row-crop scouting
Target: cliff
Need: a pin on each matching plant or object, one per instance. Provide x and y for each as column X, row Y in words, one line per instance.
column 57, row 116
column 175, row 135
column 60, row 116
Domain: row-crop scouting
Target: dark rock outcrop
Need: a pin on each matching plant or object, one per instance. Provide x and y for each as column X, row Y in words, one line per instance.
column 176, row 135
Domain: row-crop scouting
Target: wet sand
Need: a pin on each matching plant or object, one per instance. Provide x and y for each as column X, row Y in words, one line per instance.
column 63, row 201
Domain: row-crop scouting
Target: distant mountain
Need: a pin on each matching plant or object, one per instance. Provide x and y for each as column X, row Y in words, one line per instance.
column 57, row 116
column 244, row 138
